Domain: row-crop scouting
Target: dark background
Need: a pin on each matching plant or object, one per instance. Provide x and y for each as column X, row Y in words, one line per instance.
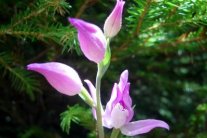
column 162, row 43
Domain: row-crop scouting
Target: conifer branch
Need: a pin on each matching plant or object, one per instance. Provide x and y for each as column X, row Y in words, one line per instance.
column 171, row 24
column 29, row 16
column 37, row 35
column 20, row 78
column 41, row 54
column 141, row 18
column 176, row 43
column 137, row 28
column 83, row 7
column 43, row 6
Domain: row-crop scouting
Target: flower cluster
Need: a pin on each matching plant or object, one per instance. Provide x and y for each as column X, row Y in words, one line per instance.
column 119, row 111
column 93, row 43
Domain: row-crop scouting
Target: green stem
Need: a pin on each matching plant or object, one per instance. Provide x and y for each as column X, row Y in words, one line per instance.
column 115, row 133
column 98, row 108
column 86, row 97
column 102, row 68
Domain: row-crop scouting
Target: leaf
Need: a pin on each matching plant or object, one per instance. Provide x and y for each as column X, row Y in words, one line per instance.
column 20, row 78
column 78, row 115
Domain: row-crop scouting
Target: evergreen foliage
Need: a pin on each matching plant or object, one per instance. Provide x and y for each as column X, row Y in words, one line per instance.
column 78, row 115
column 21, row 79
column 38, row 22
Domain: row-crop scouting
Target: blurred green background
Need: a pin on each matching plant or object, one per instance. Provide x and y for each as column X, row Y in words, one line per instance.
column 163, row 44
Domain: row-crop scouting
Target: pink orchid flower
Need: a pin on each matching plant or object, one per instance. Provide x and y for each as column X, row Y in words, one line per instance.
column 91, row 38
column 119, row 111
column 114, row 21
column 60, row 76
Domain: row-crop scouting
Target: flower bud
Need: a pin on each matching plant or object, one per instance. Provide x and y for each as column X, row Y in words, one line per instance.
column 60, row 76
column 92, row 40
column 113, row 23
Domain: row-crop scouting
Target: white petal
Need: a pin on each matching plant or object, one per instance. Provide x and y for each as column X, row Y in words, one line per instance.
column 119, row 116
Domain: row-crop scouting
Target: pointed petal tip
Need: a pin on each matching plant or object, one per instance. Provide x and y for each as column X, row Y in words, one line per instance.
column 32, row 66
column 28, row 67
column 72, row 20
column 75, row 22
column 125, row 74
column 86, row 80
column 161, row 124
column 92, row 89
column 121, row 1
column 143, row 126
column 166, row 126
column 126, row 71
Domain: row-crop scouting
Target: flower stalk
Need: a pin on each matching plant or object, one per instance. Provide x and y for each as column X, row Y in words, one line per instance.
column 98, row 107
column 115, row 133
column 102, row 68
column 85, row 96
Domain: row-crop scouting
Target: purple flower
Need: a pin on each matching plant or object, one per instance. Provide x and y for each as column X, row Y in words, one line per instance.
column 119, row 104
column 113, row 23
column 119, row 111
column 62, row 77
column 92, row 40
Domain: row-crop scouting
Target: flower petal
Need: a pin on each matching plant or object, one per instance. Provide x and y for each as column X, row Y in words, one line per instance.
column 93, row 94
column 126, row 98
column 107, row 113
column 119, row 95
column 127, row 101
column 92, row 90
column 123, row 87
column 113, row 22
column 118, row 116
column 142, row 126
column 123, row 80
column 114, row 95
column 118, row 89
column 62, row 77
column 91, row 38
